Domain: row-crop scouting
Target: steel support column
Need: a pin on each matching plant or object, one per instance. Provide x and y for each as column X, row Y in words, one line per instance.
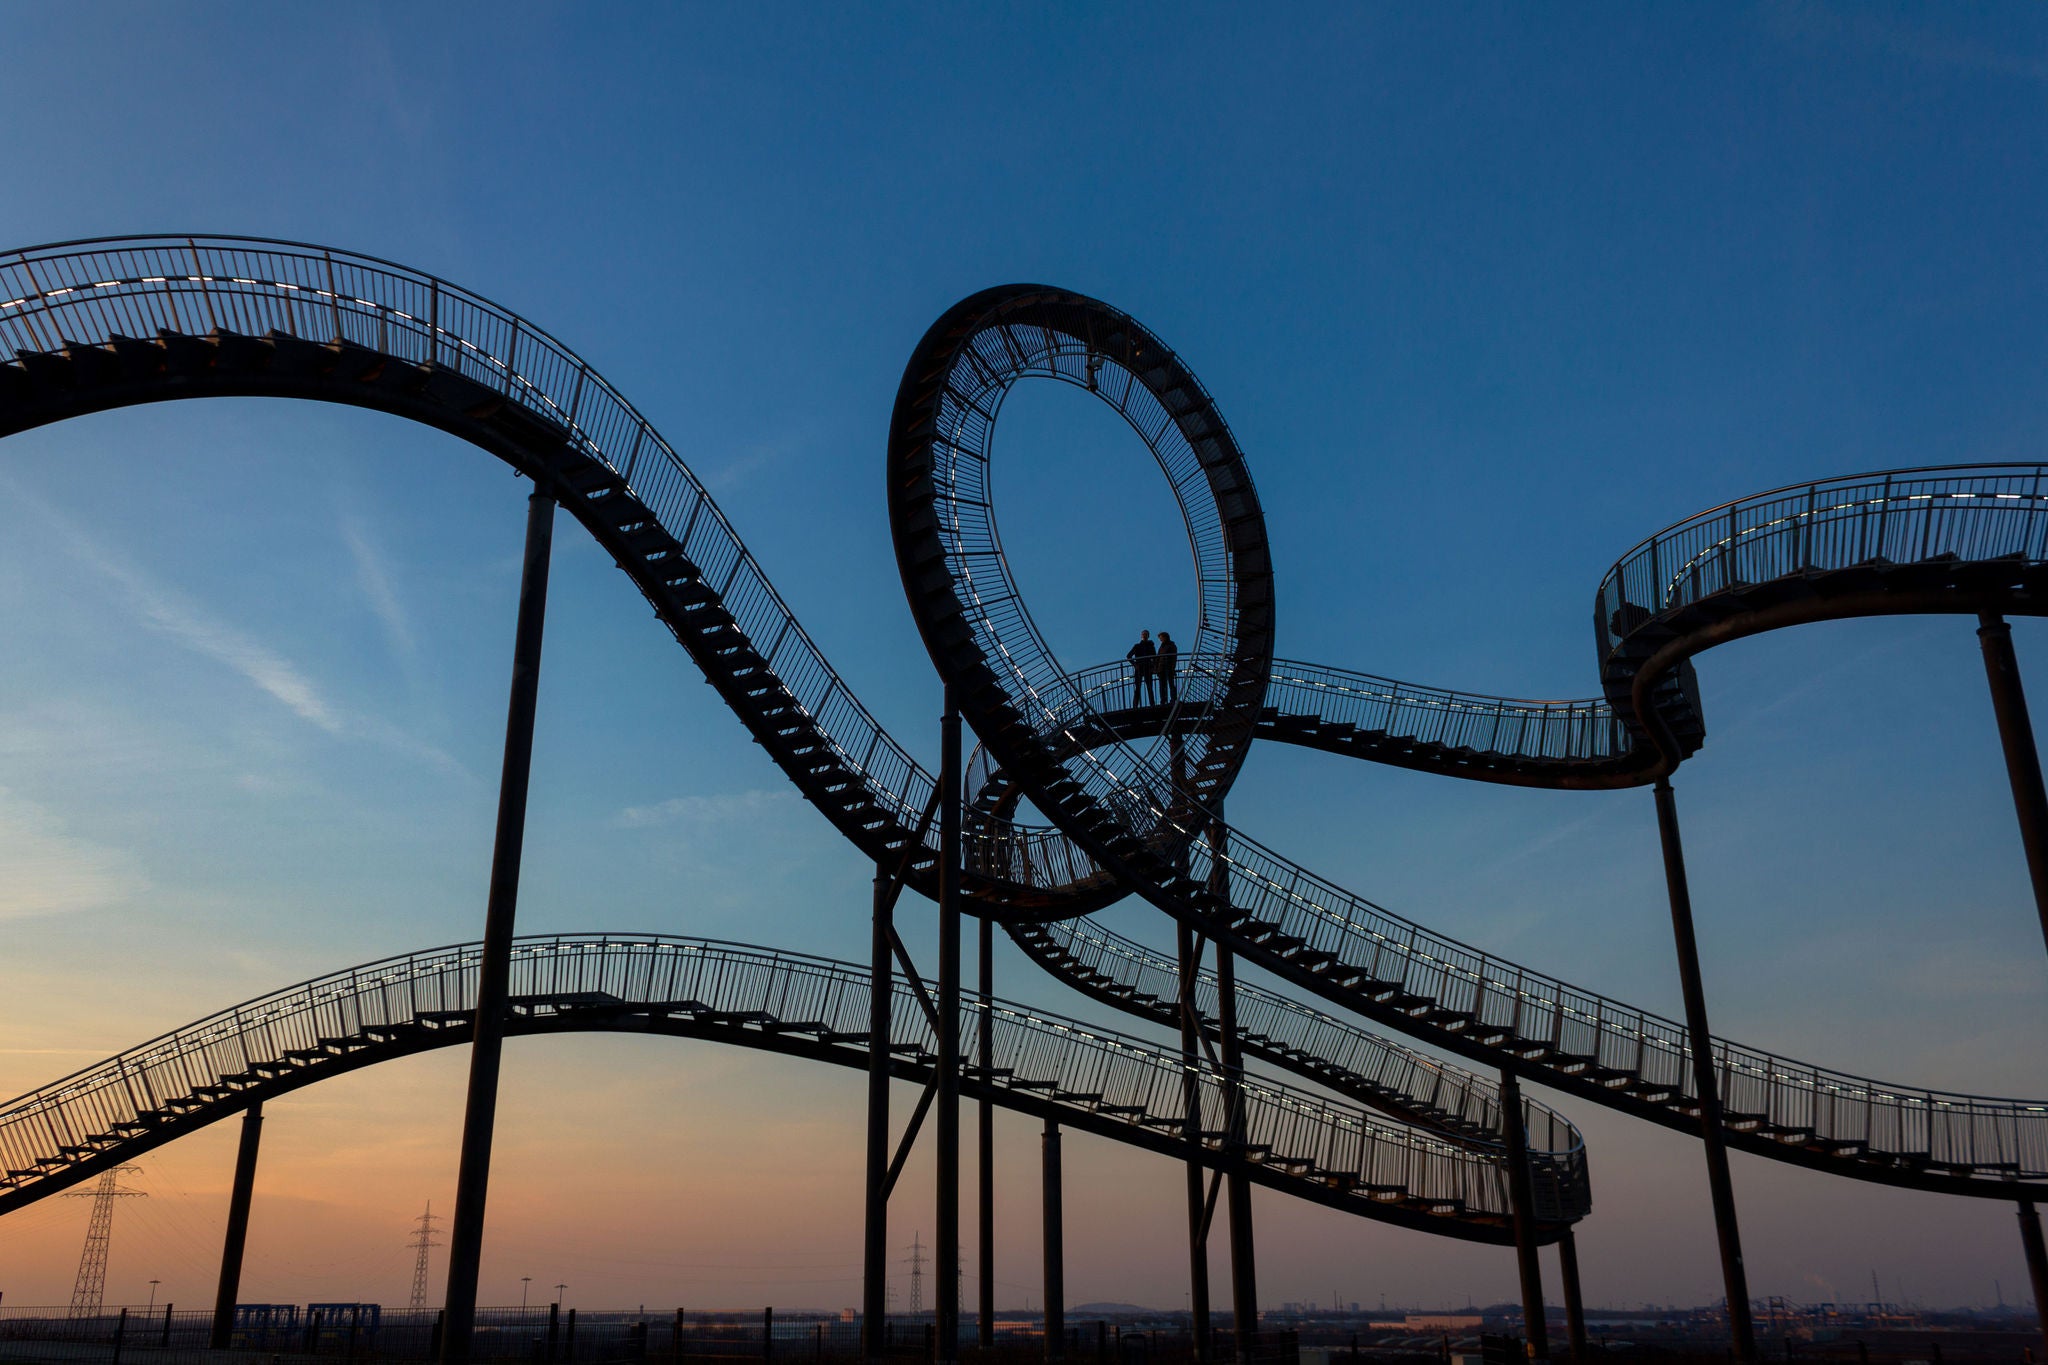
column 1244, row 1270
column 946, row 1311
column 2022, row 758
column 238, row 1227
column 1055, row 1248
column 494, row 973
column 2037, row 1266
column 1191, row 1128
column 1699, row 1043
column 874, row 1284
column 1574, row 1301
column 1515, row 1138
column 985, row 1064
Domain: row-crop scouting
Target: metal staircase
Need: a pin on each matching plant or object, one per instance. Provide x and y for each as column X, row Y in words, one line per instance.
column 1289, row 1033
column 1296, row 1037
column 1142, row 815
column 104, row 324
column 1085, row 1077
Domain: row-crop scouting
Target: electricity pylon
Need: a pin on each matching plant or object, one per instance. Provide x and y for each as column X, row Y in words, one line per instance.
column 916, row 1274
column 91, row 1286
column 422, row 1238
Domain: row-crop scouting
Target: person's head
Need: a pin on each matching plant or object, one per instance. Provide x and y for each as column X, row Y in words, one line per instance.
column 1164, row 638
column 1144, row 635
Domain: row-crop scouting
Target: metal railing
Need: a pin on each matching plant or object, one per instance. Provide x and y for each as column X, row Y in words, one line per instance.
column 1384, row 712
column 546, row 1334
column 1994, row 1138
column 1585, row 730
column 95, row 292
column 1334, row 1052
column 1468, row 1102
column 1965, row 1134
column 1045, row 1057
column 1972, row 513
column 92, row 292
column 1058, row 340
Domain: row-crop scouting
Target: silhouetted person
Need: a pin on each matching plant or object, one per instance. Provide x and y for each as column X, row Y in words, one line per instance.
column 1165, row 664
column 1143, row 657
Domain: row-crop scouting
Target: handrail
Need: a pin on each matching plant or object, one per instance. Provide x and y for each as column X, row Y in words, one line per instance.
column 1142, row 816
column 1585, row 730
column 1054, row 1058
column 135, row 287
column 1892, row 517
column 82, row 300
column 129, row 286
column 1354, row 1060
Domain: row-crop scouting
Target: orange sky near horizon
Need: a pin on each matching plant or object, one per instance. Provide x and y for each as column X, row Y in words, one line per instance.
column 680, row 1173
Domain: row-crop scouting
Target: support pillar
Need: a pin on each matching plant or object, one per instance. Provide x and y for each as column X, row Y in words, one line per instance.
column 946, row 1303
column 1055, row 1249
column 494, row 974
column 985, row 1063
column 1574, row 1301
column 1191, row 1128
column 238, row 1227
column 874, row 1285
column 1515, row 1137
column 1244, row 1271
column 1699, row 1044
column 2037, row 1266
column 2022, row 758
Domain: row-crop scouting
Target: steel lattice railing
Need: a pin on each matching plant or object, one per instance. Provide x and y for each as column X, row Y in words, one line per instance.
column 1968, row 513
column 1586, row 730
column 1358, row 951
column 1997, row 1137
column 1465, row 1100
column 1041, row 1054
column 92, row 291
column 90, row 294
column 138, row 288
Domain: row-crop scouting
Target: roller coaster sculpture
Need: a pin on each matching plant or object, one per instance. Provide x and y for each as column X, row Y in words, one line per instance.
column 1134, row 793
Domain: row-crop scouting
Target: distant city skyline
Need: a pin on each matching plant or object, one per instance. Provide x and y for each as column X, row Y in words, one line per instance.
column 1487, row 297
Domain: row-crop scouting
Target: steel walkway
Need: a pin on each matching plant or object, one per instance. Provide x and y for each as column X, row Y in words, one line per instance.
column 1084, row 1077
column 1955, row 540
column 100, row 325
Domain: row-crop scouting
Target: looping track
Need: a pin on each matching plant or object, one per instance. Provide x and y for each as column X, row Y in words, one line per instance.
column 99, row 325
column 1976, row 539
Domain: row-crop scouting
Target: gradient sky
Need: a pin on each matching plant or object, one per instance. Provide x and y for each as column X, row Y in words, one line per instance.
column 1488, row 294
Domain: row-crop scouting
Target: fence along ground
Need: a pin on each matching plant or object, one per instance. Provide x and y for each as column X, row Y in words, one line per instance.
column 541, row 1335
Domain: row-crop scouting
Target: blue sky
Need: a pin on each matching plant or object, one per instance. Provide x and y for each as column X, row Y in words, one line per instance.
column 1487, row 293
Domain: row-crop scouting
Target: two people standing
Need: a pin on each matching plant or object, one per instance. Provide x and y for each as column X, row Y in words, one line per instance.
column 1154, row 668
